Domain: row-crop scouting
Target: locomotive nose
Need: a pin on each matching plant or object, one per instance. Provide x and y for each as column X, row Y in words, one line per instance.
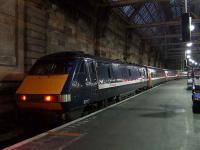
column 41, row 92
column 43, row 84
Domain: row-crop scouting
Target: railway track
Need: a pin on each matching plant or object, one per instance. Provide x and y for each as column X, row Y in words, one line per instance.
column 11, row 131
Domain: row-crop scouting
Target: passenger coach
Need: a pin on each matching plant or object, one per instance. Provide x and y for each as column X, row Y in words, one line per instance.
column 156, row 76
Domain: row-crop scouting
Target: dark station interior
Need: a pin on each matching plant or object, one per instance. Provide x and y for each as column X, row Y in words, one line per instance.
column 100, row 74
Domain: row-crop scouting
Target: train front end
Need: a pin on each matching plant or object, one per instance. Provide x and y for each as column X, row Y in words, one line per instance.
column 46, row 88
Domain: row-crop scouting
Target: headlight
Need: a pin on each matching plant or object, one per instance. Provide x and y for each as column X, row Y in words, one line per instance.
column 66, row 98
column 196, row 98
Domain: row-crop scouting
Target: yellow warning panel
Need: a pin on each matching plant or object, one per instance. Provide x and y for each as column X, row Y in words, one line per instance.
column 52, row 84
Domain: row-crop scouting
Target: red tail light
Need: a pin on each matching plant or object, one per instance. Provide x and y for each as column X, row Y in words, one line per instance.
column 22, row 98
column 49, row 98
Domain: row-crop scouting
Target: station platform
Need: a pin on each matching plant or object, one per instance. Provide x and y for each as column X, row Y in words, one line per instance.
column 158, row 119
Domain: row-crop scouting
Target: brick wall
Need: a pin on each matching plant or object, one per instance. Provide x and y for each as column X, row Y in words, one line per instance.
column 52, row 28
column 11, row 51
column 35, row 32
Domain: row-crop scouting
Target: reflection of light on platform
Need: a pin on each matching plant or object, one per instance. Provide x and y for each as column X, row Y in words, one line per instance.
column 180, row 110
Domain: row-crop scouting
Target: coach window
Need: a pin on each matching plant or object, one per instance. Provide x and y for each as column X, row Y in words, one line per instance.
column 146, row 75
column 135, row 73
column 129, row 73
column 92, row 71
column 139, row 73
column 109, row 72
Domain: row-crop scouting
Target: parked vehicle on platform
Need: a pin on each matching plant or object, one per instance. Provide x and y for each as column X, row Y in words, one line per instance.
column 189, row 83
column 65, row 83
column 196, row 95
column 192, row 77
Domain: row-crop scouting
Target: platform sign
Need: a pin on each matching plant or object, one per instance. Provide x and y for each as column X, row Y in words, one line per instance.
column 185, row 24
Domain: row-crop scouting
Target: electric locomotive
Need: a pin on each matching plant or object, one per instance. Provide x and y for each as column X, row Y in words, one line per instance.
column 65, row 83
column 69, row 81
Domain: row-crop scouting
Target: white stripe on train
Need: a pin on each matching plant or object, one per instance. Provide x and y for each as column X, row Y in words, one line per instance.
column 110, row 85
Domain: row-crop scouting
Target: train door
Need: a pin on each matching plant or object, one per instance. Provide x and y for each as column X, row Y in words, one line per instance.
column 93, row 79
column 81, row 85
column 150, row 75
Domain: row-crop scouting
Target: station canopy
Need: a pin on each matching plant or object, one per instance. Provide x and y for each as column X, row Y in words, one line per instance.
column 159, row 23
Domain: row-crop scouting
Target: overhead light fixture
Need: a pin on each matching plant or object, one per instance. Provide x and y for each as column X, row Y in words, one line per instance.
column 190, row 60
column 189, row 44
column 188, row 51
column 196, row 63
column 192, row 27
column 188, row 56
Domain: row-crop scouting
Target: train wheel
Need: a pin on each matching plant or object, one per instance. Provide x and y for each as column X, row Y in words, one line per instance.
column 65, row 117
column 72, row 115
column 105, row 103
column 100, row 104
column 118, row 99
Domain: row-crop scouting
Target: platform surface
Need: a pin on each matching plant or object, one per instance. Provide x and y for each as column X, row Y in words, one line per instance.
column 160, row 119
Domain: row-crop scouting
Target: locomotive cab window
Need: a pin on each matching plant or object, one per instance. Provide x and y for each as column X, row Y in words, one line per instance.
column 49, row 67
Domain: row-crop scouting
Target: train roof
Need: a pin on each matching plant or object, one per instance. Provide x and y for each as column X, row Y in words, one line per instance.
column 63, row 55
column 154, row 67
column 80, row 54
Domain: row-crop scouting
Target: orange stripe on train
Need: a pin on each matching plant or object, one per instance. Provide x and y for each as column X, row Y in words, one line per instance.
column 52, row 84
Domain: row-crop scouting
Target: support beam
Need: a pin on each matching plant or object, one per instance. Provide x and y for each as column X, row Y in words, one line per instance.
column 182, row 50
column 182, row 53
column 194, row 54
column 175, row 56
column 167, row 23
column 169, row 36
column 121, row 3
column 132, row 16
column 176, row 44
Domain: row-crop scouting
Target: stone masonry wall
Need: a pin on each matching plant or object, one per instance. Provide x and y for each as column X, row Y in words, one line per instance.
column 35, row 39
column 11, row 51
